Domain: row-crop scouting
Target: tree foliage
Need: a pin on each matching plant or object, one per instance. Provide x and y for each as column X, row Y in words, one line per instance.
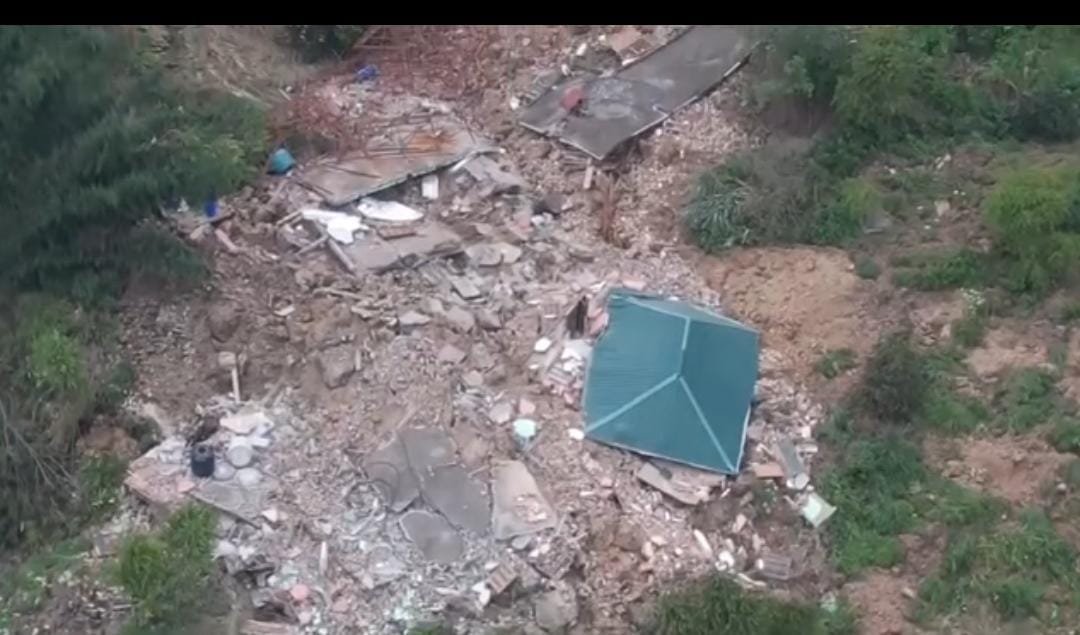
column 94, row 138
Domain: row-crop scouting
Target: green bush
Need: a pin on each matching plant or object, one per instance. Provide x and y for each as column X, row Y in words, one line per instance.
column 871, row 487
column 940, row 270
column 969, row 330
column 1065, row 436
column 867, row 268
column 804, row 62
column 896, row 381
column 1028, row 211
column 951, row 413
column 1027, row 398
column 165, row 574
column 321, row 41
column 93, row 139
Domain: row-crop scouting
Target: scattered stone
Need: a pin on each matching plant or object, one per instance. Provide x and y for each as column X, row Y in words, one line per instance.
column 223, row 320
column 336, row 366
column 521, row 543
column 556, row 609
column 450, row 354
column 501, row 413
column 246, row 422
column 510, row 253
column 484, row 255
column 526, row 408
column 223, row 471
column 248, row 477
column 412, row 319
column 518, row 506
column 542, row 345
column 473, row 379
column 240, row 453
column 435, row 538
column 630, row 537
column 465, row 288
column 488, row 320
column 460, row 319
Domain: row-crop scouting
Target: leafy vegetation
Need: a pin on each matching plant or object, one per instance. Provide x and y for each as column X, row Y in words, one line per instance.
column 836, row 362
column 722, row 606
column 321, row 41
column 867, row 268
column 165, row 574
column 1027, row 398
column 939, row 270
column 23, row 589
column 896, row 381
column 1010, row 568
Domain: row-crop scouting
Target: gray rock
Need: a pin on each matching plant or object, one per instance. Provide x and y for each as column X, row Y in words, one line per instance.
column 484, row 255
column 501, row 412
column 336, row 366
column 465, row 288
column 460, row 319
column 223, row 320
column 223, row 471
column 412, row 319
column 248, row 477
column 556, row 609
column 488, row 320
column 435, row 538
column 473, row 379
column 450, row 354
column 240, row 453
column 510, row 253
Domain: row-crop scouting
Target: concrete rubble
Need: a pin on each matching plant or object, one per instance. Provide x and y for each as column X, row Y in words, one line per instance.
column 437, row 468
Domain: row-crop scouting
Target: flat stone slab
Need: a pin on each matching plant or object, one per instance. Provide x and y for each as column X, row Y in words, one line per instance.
column 462, row 500
column 427, row 448
column 436, row 539
column 518, row 506
column 388, row 469
column 242, row 502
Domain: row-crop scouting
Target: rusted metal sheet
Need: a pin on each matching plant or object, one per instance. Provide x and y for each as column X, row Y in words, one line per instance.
column 401, row 152
column 642, row 95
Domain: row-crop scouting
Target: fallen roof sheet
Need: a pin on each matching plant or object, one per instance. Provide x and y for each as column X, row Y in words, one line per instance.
column 402, row 152
column 641, row 95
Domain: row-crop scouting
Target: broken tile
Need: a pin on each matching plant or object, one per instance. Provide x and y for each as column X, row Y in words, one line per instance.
column 518, row 507
column 435, row 538
column 457, row 496
column 465, row 288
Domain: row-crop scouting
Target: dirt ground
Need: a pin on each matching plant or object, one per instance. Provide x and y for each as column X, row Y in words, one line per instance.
column 627, row 542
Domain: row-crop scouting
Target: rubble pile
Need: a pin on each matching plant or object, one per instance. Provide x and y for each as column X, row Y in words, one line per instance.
column 422, row 454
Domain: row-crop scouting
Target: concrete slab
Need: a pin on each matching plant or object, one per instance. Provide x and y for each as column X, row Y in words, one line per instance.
column 373, row 252
column 518, row 507
column 641, row 95
column 427, row 448
column 435, row 538
column 396, row 154
column 462, row 500
column 242, row 502
column 388, row 468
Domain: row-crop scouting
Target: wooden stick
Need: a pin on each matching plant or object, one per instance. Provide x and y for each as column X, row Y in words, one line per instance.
column 344, row 259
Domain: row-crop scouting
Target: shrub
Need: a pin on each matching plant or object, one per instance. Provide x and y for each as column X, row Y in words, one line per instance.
column 843, row 218
column 804, row 62
column 1027, row 398
column 165, row 574
column 896, row 380
column 867, row 268
column 321, row 41
column 836, row 362
column 1065, row 436
column 951, row 413
column 940, row 270
column 1028, row 210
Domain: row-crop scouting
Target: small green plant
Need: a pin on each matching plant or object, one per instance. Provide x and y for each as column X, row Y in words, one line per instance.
column 165, row 574
column 952, row 413
column 1065, row 436
column 871, row 488
column 867, row 268
column 940, row 270
column 836, row 362
column 896, row 380
column 720, row 605
column 99, row 486
column 1027, row 398
column 55, row 363
column 843, row 218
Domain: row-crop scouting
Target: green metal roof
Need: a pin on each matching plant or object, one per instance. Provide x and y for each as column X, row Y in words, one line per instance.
column 672, row 380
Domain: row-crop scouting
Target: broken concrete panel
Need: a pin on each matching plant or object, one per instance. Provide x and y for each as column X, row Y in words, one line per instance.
column 651, row 475
column 388, row 469
column 401, row 152
column 435, row 538
column 641, row 95
column 462, row 500
column 487, row 171
column 518, row 507
column 155, row 482
column 244, row 503
column 375, row 253
column 427, row 448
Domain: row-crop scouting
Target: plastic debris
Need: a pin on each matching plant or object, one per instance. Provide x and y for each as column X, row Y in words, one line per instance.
column 387, row 211
column 816, row 510
column 281, row 161
column 339, row 225
column 794, row 470
column 366, row 73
